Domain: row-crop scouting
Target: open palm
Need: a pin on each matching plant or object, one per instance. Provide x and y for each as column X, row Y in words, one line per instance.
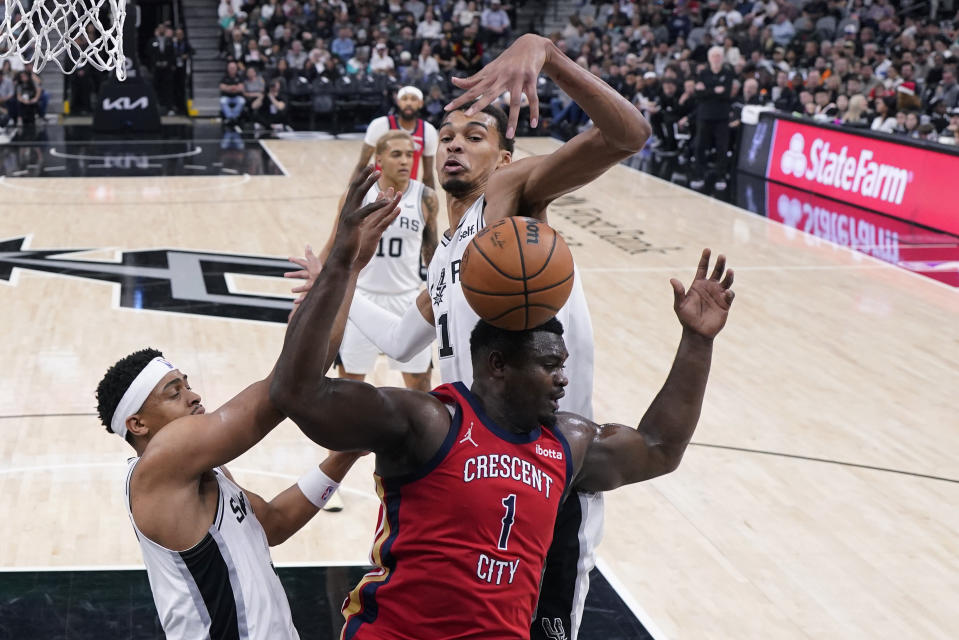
column 704, row 308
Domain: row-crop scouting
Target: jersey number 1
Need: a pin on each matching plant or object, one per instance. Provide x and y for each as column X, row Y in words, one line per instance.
column 446, row 349
column 510, row 503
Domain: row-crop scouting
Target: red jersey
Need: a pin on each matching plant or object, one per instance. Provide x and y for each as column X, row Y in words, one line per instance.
column 460, row 543
column 419, row 136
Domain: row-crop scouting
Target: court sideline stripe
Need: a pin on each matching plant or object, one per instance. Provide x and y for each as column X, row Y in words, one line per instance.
column 841, row 463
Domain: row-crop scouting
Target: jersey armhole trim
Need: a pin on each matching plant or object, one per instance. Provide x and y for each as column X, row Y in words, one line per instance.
column 490, row 424
column 438, row 457
column 569, row 458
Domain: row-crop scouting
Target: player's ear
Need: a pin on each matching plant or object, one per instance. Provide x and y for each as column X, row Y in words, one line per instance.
column 505, row 157
column 496, row 364
column 136, row 426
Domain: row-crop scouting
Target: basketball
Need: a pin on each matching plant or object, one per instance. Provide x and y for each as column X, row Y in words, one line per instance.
column 517, row 273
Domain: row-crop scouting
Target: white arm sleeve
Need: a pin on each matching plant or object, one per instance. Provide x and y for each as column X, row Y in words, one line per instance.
column 399, row 338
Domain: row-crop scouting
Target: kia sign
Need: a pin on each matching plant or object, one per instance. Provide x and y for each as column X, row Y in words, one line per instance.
column 126, row 106
column 123, row 103
column 912, row 183
column 933, row 254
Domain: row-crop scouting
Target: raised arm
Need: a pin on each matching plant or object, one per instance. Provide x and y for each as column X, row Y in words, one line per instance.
column 618, row 455
column 343, row 414
column 428, row 171
column 619, row 132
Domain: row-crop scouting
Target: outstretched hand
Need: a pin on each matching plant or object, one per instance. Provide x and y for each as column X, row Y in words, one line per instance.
column 360, row 227
column 515, row 70
column 309, row 271
column 704, row 308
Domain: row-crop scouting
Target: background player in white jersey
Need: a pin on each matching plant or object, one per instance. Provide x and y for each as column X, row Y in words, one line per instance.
column 205, row 539
column 409, row 101
column 392, row 278
column 483, row 185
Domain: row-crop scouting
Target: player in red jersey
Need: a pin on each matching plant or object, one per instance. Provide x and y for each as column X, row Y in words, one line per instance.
column 471, row 479
column 409, row 101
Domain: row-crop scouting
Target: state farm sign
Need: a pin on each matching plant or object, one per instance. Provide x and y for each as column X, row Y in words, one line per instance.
column 904, row 181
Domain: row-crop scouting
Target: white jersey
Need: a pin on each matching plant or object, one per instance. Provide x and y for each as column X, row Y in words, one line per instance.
column 225, row 586
column 455, row 319
column 395, row 267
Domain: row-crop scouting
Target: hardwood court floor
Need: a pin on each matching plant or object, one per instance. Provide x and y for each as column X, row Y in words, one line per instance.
column 819, row 499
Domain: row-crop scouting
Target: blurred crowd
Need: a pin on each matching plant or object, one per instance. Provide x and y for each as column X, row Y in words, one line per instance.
column 355, row 53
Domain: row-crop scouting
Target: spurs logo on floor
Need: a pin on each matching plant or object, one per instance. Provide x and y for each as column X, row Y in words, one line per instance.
column 193, row 282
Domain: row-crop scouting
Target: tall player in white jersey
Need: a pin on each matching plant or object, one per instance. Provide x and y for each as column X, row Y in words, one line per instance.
column 483, row 185
column 392, row 278
column 204, row 538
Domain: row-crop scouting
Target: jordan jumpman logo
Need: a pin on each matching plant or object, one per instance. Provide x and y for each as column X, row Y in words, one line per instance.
column 469, row 436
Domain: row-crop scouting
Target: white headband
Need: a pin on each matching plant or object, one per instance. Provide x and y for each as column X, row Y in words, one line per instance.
column 409, row 90
column 137, row 393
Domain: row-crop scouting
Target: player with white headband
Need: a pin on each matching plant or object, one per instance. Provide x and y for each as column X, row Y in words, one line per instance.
column 204, row 538
column 409, row 101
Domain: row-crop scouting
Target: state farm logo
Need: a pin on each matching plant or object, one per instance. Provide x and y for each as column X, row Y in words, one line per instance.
column 549, row 453
column 844, row 170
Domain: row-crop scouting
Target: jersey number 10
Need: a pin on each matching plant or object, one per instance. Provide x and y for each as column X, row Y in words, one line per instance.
column 395, row 248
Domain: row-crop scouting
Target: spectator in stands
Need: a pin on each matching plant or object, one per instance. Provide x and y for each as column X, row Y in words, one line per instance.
column 416, row 7
column 358, row 64
column 823, row 106
column 782, row 29
column 7, row 93
column 464, row 13
column 468, row 52
column 253, row 85
column 939, row 115
column 445, row 55
column 665, row 114
column 269, row 110
column 495, row 23
column 381, row 62
column 162, row 59
column 343, row 46
column 429, row 28
column 231, row 95
column 235, row 49
column 784, row 98
column 885, row 120
column 253, row 57
column 183, row 54
column 911, row 126
column 282, row 73
column 296, row 56
column 855, row 115
column 948, row 90
column 434, row 104
column 427, row 61
column 28, row 98
column 714, row 85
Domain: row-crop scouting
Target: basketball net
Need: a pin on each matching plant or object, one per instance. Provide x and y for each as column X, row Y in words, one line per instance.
column 71, row 33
